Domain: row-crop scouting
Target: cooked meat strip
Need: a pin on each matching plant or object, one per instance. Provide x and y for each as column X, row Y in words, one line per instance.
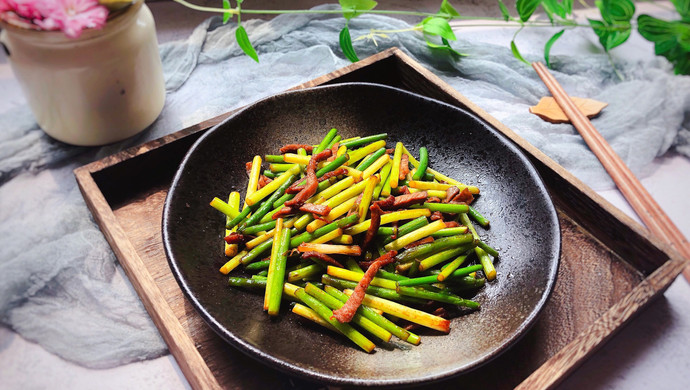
column 436, row 215
column 318, row 209
column 451, row 193
column 235, row 238
column 408, row 200
column 347, row 311
column 323, row 257
column 465, row 196
column 312, row 183
column 328, row 175
column 404, row 167
column 284, row 212
column 295, row 147
column 263, row 180
column 387, row 203
column 373, row 226
column 452, row 224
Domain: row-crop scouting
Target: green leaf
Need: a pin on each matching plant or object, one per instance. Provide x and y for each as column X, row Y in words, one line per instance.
column 613, row 11
column 516, row 52
column 226, row 15
column 665, row 48
column 683, row 34
column 438, row 26
column 504, row 10
column 354, row 7
column 615, row 28
column 526, row 8
column 683, row 8
column 245, row 44
column 549, row 43
column 547, row 9
column 450, row 48
column 445, row 47
column 611, row 38
column 655, row 30
column 447, row 11
column 346, row 45
column 683, row 65
column 553, row 7
column 671, row 40
column 568, row 6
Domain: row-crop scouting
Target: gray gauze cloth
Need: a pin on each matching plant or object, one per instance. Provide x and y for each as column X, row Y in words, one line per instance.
column 60, row 285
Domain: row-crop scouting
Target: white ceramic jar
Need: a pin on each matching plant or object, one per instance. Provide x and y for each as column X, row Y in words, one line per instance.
column 102, row 87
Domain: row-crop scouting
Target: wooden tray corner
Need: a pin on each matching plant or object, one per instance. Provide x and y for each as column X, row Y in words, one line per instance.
column 125, row 193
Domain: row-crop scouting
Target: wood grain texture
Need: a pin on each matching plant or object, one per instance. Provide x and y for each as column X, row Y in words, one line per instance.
column 625, row 268
column 591, row 280
column 198, row 374
column 585, row 344
column 231, row 368
column 649, row 211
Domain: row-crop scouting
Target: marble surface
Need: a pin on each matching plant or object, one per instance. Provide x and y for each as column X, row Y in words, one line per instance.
column 651, row 352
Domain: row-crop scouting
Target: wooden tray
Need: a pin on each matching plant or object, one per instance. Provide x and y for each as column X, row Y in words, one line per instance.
column 611, row 267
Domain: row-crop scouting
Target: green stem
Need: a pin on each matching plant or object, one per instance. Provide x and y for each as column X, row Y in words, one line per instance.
column 386, row 293
column 404, row 229
column 266, row 205
column 305, row 272
column 259, row 265
column 333, row 165
column 264, row 227
column 423, row 163
column 424, row 250
column 615, row 69
column 366, row 163
column 232, row 11
column 448, row 232
column 478, row 217
column 247, row 283
column 325, row 141
column 465, row 283
column 434, row 278
column 306, row 236
column 405, row 294
column 375, row 317
column 443, row 207
column 522, row 25
column 274, row 158
column 364, row 140
column 444, row 256
column 276, row 272
column 237, row 11
column 335, row 139
column 334, row 303
column 327, row 315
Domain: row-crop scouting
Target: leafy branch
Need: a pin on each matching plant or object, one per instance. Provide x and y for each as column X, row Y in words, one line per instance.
column 671, row 38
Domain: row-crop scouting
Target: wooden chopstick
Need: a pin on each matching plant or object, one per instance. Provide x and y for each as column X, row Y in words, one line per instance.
column 640, row 200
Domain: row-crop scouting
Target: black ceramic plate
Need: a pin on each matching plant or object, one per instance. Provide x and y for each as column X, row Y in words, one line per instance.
column 524, row 227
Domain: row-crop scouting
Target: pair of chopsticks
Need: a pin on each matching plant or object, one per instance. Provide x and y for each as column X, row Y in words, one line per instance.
column 637, row 196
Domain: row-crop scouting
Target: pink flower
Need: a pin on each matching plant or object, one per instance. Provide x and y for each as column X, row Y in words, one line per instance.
column 70, row 16
column 28, row 9
column 5, row 6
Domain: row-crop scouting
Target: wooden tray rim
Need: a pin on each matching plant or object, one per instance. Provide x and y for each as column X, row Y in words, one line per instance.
column 188, row 357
